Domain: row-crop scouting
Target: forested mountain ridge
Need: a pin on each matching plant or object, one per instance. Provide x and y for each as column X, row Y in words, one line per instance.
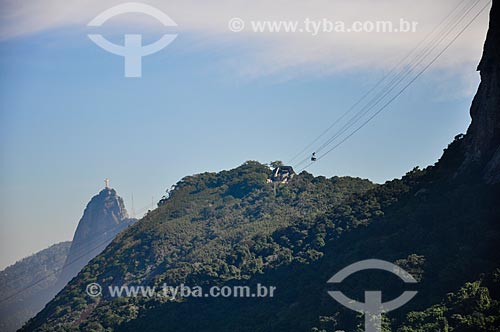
column 442, row 224
column 211, row 228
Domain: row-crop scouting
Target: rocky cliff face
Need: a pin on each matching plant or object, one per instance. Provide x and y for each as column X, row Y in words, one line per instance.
column 482, row 142
column 104, row 217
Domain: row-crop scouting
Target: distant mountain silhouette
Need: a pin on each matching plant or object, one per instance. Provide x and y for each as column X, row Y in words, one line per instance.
column 104, row 217
column 44, row 265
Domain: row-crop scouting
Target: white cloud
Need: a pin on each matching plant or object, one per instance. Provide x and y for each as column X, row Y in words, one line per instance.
column 271, row 53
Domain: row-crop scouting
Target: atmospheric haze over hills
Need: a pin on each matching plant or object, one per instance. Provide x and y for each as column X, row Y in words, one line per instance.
column 32, row 282
column 274, row 224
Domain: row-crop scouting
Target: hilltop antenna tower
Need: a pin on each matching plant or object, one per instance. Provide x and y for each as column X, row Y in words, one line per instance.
column 133, row 209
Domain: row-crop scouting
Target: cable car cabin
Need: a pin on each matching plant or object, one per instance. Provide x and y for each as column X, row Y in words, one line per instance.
column 282, row 174
column 313, row 157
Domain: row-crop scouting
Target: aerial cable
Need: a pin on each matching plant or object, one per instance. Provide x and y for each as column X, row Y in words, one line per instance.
column 375, row 86
column 386, row 90
column 397, row 66
column 405, row 87
column 394, row 83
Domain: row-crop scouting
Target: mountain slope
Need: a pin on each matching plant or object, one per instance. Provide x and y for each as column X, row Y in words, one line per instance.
column 44, row 265
column 212, row 227
column 446, row 237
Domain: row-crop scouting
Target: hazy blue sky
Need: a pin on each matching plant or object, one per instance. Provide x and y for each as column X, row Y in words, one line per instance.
column 69, row 119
